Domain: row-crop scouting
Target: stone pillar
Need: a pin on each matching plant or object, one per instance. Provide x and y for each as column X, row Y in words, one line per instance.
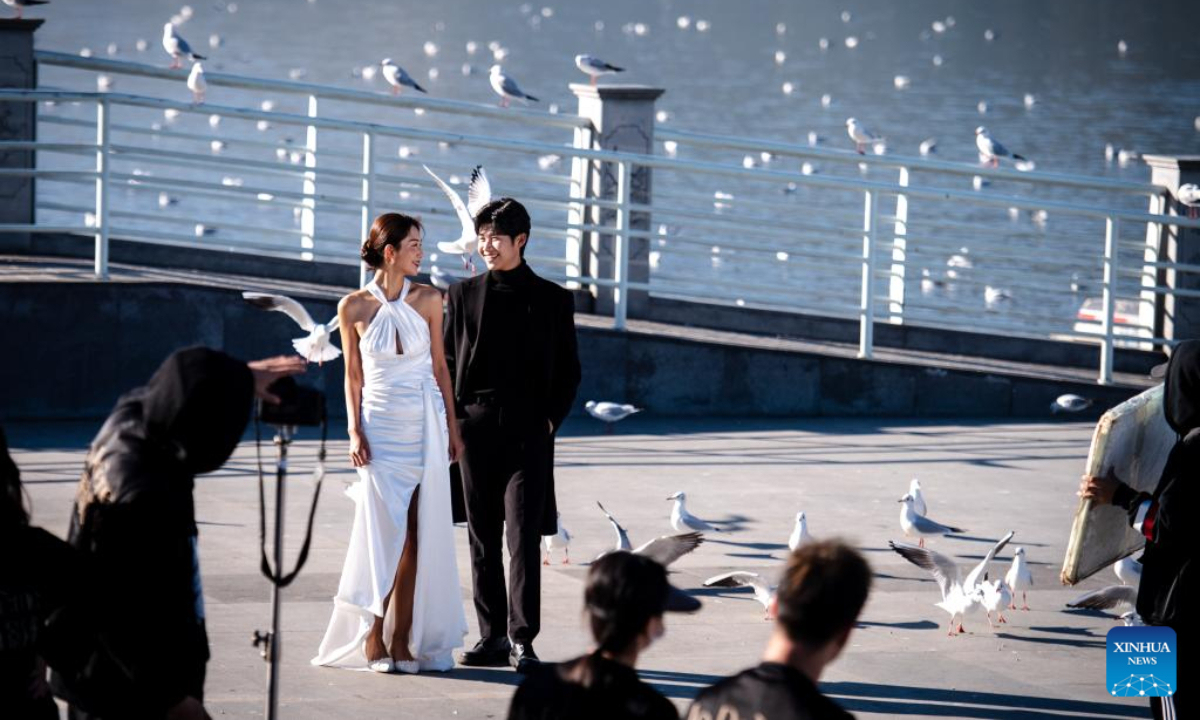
column 18, row 121
column 623, row 118
column 1174, row 318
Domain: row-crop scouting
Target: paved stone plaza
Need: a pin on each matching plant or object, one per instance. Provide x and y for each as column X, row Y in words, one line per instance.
column 748, row 477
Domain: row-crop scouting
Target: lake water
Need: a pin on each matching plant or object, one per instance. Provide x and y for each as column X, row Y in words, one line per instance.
column 728, row 79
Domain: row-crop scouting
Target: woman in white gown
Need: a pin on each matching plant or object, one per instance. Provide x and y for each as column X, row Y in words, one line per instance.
column 400, row 564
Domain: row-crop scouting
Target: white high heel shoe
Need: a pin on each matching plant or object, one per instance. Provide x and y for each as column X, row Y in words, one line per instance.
column 411, row 667
column 382, row 665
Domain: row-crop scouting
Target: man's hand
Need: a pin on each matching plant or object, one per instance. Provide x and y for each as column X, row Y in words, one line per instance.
column 1099, row 489
column 269, row 370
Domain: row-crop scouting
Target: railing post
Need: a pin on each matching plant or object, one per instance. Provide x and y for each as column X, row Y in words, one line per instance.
column 621, row 238
column 1177, row 317
column 308, row 215
column 897, row 277
column 1111, row 233
column 580, row 189
column 866, row 329
column 368, row 202
column 1152, row 275
column 623, row 119
column 102, row 162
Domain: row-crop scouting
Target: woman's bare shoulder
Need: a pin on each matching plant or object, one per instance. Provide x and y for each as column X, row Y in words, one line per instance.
column 424, row 295
column 356, row 303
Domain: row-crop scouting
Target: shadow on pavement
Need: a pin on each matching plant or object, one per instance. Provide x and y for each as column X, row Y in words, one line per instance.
column 901, row 700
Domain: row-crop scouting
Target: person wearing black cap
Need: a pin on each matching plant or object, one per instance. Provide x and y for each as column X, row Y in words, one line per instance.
column 624, row 603
column 1162, row 517
column 821, row 593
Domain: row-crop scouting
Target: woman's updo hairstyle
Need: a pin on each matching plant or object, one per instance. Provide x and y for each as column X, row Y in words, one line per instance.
column 388, row 229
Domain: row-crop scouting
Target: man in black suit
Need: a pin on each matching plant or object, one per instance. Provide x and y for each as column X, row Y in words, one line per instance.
column 510, row 347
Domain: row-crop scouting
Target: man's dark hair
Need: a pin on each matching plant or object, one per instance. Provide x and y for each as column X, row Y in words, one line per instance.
column 13, row 512
column 824, row 588
column 507, row 217
column 623, row 592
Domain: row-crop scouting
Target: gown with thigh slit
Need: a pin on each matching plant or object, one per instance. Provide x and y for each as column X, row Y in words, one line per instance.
column 404, row 420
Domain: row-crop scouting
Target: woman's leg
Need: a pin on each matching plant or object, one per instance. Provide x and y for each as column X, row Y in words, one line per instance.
column 404, row 586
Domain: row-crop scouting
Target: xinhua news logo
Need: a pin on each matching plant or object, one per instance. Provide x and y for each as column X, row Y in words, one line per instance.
column 1141, row 661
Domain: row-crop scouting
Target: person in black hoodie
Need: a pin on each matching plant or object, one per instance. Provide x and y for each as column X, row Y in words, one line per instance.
column 34, row 582
column 137, row 647
column 1162, row 516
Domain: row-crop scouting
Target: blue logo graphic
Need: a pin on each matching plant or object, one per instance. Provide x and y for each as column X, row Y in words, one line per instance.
column 1141, row 661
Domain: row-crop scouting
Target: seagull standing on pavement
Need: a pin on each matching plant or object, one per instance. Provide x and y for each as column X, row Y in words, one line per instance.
column 914, row 489
column 506, row 87
column 913, row 524
column 479, row 193
column 397, row 77
column 560, row 540
column 996, row 596
column 1128, row 570
column 991, row 151
column 316, row 346
column 1020, row 578
column 957, row 600
column 860, row 135
column 682, row 520
column 177, row 47
column 595, row 67
column 196, row 83
column 799, row 534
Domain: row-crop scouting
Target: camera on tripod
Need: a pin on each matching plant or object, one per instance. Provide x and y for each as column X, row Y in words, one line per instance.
column 299, row 405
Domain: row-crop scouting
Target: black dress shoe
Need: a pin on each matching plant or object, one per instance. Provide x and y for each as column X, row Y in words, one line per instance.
column 488, row 652
column 522, row 657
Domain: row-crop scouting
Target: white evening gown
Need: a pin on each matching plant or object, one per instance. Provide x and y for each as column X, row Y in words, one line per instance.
column 404, row 419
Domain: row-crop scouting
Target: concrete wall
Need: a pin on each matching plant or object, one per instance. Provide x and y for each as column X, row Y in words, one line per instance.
column 75, row 347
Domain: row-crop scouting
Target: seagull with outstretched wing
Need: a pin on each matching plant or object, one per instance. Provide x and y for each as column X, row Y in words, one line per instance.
column 316, row 346
column 764, row 592
column 479, row 194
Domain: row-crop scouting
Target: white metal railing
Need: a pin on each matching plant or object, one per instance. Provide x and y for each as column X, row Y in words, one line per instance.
column 763, row 252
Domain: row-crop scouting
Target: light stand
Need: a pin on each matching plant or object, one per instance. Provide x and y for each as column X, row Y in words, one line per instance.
column 268, row 642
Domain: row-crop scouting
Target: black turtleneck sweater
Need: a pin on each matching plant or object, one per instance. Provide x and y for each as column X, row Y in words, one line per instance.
column 498, row 368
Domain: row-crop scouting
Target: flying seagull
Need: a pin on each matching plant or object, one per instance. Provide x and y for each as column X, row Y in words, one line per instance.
column 177, row 47
column 1106, row 598
column 1069, row 403
column 957, row 599
column 764, row 592
column 479, row 194
column 397, row 77
column 316, row 346
column 595, row 67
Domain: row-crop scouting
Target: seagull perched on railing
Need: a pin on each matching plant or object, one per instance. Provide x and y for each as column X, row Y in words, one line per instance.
column 20, row 5
column 1188, row 195
column 316, row 346
column 177, row 47
column 861, row 135
column 506, row 87
column 595, row 67
column 991, row 151
column 664, row 550
column 479, row 193
column 397, row 77
column 196, row 83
